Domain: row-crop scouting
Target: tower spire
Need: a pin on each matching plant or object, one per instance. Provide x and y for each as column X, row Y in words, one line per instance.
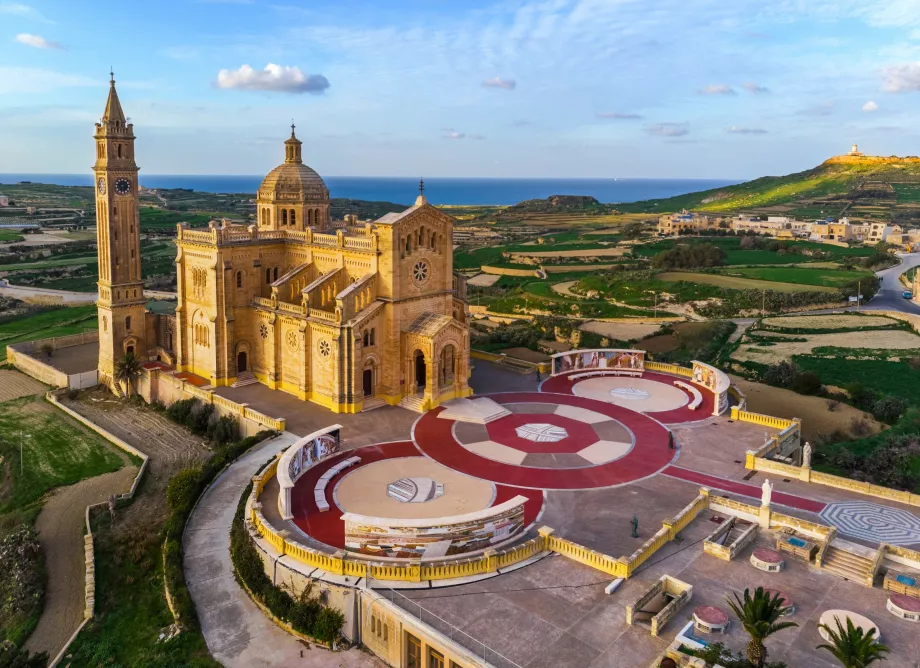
column 421, row 193
column 113, row 111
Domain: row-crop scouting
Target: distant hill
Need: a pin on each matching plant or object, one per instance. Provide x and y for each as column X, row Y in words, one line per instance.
column 558, row 204
column 860, row 187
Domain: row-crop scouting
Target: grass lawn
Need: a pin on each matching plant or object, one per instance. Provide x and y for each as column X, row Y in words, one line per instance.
column 736, row 283
column 735, row 256
column 830, row 278
column 129, row 595
column 30, row 327
column 885, row 377
column 59, row 452
column 7, row 237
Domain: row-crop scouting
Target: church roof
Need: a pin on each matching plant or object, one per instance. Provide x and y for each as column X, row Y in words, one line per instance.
column 113, row 111
column 293, row 180
column 429, row 324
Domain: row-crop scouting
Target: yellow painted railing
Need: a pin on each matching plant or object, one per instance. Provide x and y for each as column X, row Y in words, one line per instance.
column 669, row 368
column 758, row 418
column 584, row 555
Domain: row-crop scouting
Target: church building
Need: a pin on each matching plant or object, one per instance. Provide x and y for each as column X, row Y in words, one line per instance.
column 343, row 314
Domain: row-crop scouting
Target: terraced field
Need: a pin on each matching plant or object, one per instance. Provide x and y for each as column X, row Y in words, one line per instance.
column 739, row 283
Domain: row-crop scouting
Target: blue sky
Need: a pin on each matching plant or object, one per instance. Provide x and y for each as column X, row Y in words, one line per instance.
column 555, row 88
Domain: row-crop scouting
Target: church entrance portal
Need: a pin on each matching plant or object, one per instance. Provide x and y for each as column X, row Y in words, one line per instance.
column 368, row 382
column 420, row 372
column 241, row 361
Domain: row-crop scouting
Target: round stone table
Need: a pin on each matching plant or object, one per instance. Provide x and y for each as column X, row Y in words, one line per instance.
column 786, row 599
column 830, row 617
column 710, row 619
column 767, row 560
column 905, row 607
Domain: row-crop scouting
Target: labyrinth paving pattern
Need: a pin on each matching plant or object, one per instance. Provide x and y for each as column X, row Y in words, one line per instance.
column 872, row 522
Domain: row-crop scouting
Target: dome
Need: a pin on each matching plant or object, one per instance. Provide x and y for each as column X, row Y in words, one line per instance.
column 293, row 181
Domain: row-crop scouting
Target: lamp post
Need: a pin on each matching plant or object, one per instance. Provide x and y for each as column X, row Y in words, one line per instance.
column 22, row 437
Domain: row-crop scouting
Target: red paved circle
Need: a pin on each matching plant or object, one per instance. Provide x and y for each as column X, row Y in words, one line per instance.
column 711, row 615
column 906, row 603
column 768, row 556
column 649, row 455
column 504, row 431
column 563, row 384
column 327, row 526
column 783, row 596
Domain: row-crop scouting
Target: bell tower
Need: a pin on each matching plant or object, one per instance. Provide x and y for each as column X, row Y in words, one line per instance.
column 122, row 324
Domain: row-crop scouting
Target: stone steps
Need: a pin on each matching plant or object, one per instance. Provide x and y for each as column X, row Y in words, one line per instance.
column 413, row 403
column 370, row 403
column 481, row 410
column 847, row 565
column 244, row 379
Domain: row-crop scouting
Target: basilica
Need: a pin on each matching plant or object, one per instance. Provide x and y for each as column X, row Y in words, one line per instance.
column 346, row 314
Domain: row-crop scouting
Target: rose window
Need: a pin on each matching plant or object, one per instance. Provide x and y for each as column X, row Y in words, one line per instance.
column 263, row 331
column 420, row 271
column 324, row 348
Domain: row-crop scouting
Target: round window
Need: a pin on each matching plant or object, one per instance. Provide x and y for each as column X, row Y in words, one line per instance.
column 324, row 348
column 420, row 271
column 263, row 330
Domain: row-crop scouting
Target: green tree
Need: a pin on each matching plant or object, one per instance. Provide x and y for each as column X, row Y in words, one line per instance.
column 127, row 370
column 852, row 646
column 759, row 615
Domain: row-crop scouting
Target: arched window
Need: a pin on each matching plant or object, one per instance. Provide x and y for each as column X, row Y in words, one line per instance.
column 276, row 273
column 373, row 336
column 239, row 279
column 434, row 239
column 119, row 150
column 268, row 276
column 408, row 245
column 421, row 236
column 284, row 216
column 128, row 322
column 293, row 217
column 367, row 338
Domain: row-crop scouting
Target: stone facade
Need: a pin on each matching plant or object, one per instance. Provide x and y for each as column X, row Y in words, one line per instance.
column 331, row 312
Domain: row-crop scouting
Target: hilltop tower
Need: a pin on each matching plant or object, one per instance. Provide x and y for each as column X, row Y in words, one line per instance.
column 122, row 323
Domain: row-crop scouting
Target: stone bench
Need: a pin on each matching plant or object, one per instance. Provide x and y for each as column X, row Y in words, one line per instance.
column 319, row 491
column 607, row 372
column 905, row 607
column 697, row 395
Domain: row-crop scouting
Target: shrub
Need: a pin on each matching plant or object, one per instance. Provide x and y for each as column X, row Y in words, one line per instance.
column 183, row 490
column 782, row 374
column 15, row 657
column 859, row 426
column 889, row 409
column 223, row 430
column 807, row 382
column 199, row 419
column 328, row 625
column 689, row 256
column 832, row 405
column 180, row 410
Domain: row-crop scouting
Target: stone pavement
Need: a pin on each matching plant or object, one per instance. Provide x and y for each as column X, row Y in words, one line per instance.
column 237, row 632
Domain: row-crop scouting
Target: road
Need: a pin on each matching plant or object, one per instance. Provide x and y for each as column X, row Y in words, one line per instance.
column 890, row 294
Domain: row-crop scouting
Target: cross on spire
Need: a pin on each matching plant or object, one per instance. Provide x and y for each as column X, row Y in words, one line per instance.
column 421, row 187
column 292, row 127
column 111, row 76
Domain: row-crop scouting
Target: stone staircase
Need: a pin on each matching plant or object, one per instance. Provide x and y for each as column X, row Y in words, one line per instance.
column 414, row 403
column 481, row 410
column 370, row 403
column 857, row 566
column 244, row 379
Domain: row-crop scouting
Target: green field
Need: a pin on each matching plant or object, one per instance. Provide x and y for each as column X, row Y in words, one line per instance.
column 7, row 237
column 894, row 378
column 735, row 283
column 829, row 278
column 734, row 255
column 47, row 324
column 59, row 452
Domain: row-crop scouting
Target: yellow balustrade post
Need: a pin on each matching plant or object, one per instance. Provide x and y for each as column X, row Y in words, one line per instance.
column 337, row 565
column 415, row 571
column 669, row 525
column 491, row 560
column 734, row 412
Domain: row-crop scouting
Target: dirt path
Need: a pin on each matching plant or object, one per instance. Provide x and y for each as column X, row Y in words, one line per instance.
column 60, row 531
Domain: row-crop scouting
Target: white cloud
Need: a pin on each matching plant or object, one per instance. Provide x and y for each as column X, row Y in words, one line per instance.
column 870, row 106
column 450, row 133
column 717, row 89
column 668, row 129
column 617, row 115
column 737, row 130
column 37, row 41
column 901, row 78
column 277, row 78
column 752, row 87
column 498, row 82
column 36, row 80
column 25, row 11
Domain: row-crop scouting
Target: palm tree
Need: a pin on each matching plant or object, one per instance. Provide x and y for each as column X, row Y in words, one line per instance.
column 759, row 614
column 127, row 370
column 852, row 646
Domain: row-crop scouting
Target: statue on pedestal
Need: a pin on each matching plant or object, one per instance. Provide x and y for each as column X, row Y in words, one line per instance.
column 767, row 488
column 806, row 455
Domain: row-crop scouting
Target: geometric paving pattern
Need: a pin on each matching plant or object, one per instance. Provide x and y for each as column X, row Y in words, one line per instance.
column 873, row 522
column 541, row 432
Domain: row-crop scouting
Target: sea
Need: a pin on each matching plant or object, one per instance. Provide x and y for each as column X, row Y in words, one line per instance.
column 403, row 190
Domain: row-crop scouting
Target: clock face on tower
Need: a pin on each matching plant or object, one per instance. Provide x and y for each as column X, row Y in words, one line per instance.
column 101, row 186
column 122, row 187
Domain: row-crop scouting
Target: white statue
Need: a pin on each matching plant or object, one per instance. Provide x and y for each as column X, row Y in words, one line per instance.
column 806, row 455
column 767, row 493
